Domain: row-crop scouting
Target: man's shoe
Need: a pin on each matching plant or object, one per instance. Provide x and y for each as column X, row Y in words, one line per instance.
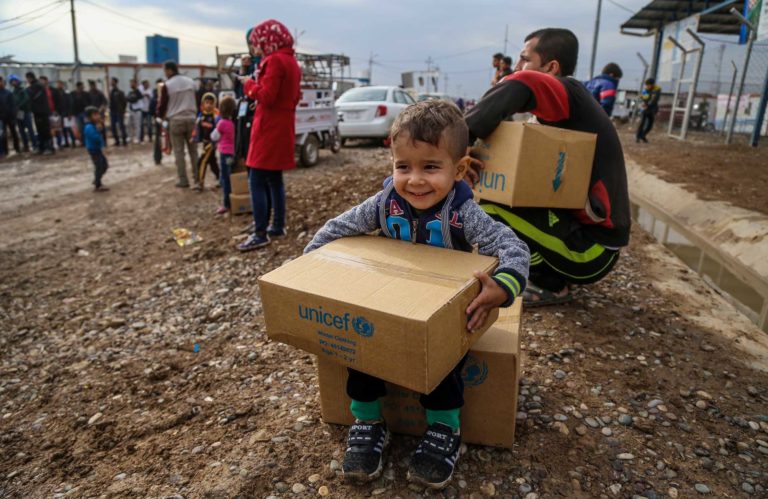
column 435, row 459
column 253, row 242
column 198, row 188
column 101, row 188
column 363, row 459
column 272, row 232
column 182, row 185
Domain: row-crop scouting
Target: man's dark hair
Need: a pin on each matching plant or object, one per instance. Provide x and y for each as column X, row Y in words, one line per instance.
column 114, row 80
column 650, row 81
column 171, row 66
column 435, row 122
column 498, row 55
column 79, row 84
column 507, row 60
column 557, row 44
column 43, row 77
column 30, row 75
column 90, row 111
column 613, row 69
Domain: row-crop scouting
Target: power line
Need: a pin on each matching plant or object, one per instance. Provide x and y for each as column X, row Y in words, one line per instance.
column 3, row 21
column 622, row 7
column 25, row 21
column 30, row 32
column 163, row 28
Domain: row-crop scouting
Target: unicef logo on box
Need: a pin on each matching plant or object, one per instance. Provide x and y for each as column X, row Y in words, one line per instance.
column 362, row 327
column 475, row 371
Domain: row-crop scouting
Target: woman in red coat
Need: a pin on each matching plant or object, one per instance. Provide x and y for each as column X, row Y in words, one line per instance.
column 276, row 89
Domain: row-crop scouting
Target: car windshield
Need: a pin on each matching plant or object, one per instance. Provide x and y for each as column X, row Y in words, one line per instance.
column 364, row 94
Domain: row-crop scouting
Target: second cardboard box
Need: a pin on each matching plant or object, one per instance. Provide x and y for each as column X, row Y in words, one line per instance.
column 532, row 165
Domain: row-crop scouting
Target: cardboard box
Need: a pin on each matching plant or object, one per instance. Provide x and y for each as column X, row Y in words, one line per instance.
column 240, row 203
column 531, row 165
column 389, row 308
column 491, row 377
column 239, row 183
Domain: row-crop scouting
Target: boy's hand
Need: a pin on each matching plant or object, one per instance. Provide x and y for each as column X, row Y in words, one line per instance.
column 491, row 296
column 473, row 172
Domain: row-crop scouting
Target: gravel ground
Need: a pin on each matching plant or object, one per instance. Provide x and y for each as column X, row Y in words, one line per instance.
column 102, row 393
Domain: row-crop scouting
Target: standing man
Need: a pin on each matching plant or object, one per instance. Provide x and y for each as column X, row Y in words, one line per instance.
column 99, row 101
column 64, row 108
column 604, row 86
column 23, row 113
column 496, row 64
column 146, row 115
column 649, row 106
column 41, row 112
column 80, row 101
column 505, row 69
column 567, row 246
column 117, row 105
column 135, row 104
column 177, row 105
column 7, row 120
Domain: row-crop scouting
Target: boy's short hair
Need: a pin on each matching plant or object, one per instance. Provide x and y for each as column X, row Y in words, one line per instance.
column 436, row 122
column 498, row 55
column 208, row 96
column 650, row 81
column 227, row 107
column 90, row 111
column 507, row 60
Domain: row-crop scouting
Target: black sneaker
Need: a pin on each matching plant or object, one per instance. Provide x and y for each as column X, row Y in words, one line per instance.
column 363, row 460
column 273, row 232
column 434, row 460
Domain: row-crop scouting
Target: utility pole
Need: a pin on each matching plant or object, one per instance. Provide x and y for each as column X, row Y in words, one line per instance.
column 594, row 40
column 506, row 38
column 721, row 49
column 429, row 71
column 76, row 72
column 370, row 68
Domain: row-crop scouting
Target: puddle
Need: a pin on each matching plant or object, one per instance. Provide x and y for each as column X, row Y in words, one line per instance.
column 743, row 296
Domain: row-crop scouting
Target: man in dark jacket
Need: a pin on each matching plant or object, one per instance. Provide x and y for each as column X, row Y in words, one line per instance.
column 117, row 105
column 567, row 246
column 604, row 86
column 23, row 113
column 99, row 100
column 7, row 120
column 649, row 106
column 80, row 100
column 41, row 112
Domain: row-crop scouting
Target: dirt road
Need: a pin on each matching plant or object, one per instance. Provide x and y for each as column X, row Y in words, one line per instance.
column 103, row 394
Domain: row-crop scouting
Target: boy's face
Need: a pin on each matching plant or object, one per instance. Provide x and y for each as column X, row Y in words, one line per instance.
column 208, row 106
column 424, row 174
column 95, row 118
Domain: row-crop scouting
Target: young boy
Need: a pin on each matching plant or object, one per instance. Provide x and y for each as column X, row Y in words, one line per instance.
column 425, row 201
column 207, row 119
column 94, row 142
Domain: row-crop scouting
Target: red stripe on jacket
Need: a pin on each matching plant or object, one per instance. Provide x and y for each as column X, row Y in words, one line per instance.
column 611, row 92
column 549, row 92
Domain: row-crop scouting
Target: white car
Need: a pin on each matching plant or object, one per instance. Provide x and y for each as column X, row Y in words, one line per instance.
column 368, row 112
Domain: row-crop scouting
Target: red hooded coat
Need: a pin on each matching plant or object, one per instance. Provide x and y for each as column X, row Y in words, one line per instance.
column 276, row 92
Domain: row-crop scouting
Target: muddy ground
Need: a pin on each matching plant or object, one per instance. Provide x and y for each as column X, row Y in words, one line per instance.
column 103, row 395
column 733, row 173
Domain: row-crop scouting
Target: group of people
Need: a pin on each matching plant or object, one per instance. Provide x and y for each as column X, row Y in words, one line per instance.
column 40, row 117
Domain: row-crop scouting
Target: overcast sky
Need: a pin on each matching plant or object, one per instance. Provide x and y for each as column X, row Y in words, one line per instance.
column 460, row 36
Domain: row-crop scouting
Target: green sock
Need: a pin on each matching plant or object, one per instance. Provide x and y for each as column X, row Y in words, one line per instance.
column 449, row 417
column 366, row 411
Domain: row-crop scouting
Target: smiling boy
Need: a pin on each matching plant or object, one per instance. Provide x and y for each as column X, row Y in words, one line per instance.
column 425, row 201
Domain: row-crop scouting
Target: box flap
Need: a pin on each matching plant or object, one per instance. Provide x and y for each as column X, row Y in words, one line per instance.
column 383, row 275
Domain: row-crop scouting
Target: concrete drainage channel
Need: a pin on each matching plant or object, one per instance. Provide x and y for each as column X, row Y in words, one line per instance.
column 726, row 245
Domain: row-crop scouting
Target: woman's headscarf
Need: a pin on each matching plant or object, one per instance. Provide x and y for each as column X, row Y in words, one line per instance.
column 271, row 36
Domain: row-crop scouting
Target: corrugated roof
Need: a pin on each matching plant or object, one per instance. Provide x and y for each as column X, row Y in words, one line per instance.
column 715, row 15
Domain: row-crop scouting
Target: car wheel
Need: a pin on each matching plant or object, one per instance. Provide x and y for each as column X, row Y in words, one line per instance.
column 310, row 152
